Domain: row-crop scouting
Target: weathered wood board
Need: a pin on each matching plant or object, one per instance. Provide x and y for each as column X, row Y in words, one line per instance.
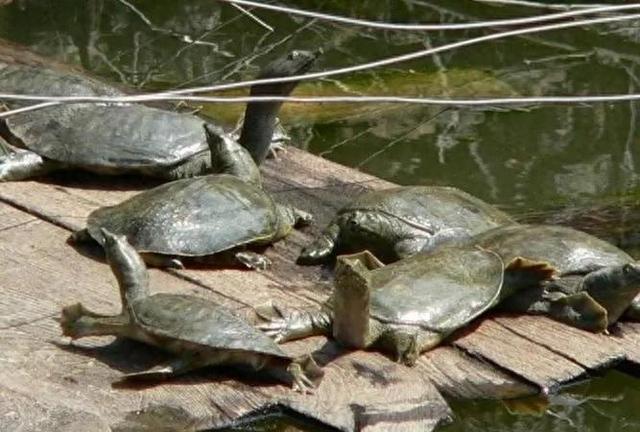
column 39, row 272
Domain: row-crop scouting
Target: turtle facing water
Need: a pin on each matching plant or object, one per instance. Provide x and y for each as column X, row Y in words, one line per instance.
column 398, row 222
column 200, row 333
column 197, row 217
column 121, row 139
column 409, row 306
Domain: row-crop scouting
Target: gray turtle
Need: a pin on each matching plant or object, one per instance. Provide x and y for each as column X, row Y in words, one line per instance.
column 200, row 333
column 409, row 306
column 398, row 222
column 597, row 282
column 196, row 217
column 121, row 139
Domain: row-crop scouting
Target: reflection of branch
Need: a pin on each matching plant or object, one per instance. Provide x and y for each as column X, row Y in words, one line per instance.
column 253, row 17
column 180, row 36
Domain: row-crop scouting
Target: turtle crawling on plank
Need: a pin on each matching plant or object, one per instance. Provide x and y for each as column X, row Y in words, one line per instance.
column 125, row 138
column 410, row 306
column 597, row 282
column 198, row 217
column 398, row 222
column 200, row 333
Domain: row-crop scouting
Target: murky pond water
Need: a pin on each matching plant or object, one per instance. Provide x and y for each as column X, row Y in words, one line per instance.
column 578, row 158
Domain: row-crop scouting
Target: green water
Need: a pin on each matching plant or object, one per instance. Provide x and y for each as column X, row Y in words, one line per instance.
column 528, row 160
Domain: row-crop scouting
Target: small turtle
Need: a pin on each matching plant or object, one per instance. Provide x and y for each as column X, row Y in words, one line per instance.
column 199, row 332
column 196, row 217
column 399, row 222
column 410, row 306
column 121, row 139
column 596, row 281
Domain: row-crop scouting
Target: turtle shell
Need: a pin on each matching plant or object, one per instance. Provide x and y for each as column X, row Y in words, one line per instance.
column 431, row 208
column 567, row 249
column 192, row 322
column 97, row 136
column 440, row 292
column 191, row 217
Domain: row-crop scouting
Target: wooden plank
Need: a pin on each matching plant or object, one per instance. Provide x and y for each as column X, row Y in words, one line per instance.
column 56, row 380
column 591, row 351
column 628, row 336
column 529, row 360
column 461, row 376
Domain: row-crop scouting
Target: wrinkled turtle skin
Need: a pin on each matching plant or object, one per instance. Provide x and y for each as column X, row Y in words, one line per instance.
column 201, row 216
column 410, row 306
column 597, row 281
column 119, row 139
column 396, row 223
column 200, row 333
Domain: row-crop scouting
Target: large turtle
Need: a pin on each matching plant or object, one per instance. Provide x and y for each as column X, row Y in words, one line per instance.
column 196, row 217
column 401, row 221
column 119, row 139
column 596, row 280
column 199, row 332
column 409, row 306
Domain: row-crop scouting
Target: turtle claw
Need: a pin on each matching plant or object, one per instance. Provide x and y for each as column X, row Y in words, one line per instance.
column 299, row 369
column 253, row 260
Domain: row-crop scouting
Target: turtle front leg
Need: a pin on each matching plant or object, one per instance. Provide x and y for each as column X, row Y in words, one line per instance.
column 323, row 248
column 578, row 310
column 77, row 322
column 253, row 260
column 23, row 164
column 285, row 325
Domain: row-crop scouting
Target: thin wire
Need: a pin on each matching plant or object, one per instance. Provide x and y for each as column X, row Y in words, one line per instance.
column 522, row 100
column 171, row 95
column 450, row 26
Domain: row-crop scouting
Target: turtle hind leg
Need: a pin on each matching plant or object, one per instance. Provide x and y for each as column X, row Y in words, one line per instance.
column 23, row 164
column 77, row 321
column 162, row 261
column 252, row 260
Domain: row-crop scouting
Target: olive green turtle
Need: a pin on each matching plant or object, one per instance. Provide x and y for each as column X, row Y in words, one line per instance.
column 398, row 222
column 200, row 333
column 410, row 306
column 597, row 282
column 125, row 138
column 197, row 217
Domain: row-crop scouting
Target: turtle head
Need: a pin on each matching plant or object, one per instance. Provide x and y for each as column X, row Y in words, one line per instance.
column 297, row 62
column 352, row 300
column 613, row 287
column 364, row 229
column 229, row 157
column 260, row 117
column 127, row 266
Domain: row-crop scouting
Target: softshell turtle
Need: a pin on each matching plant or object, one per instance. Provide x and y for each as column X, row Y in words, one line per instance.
column 199, row 332
column 409, row 306
column 398, row 222
column 596, row 281
column 120, row 139
column 201, row 216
